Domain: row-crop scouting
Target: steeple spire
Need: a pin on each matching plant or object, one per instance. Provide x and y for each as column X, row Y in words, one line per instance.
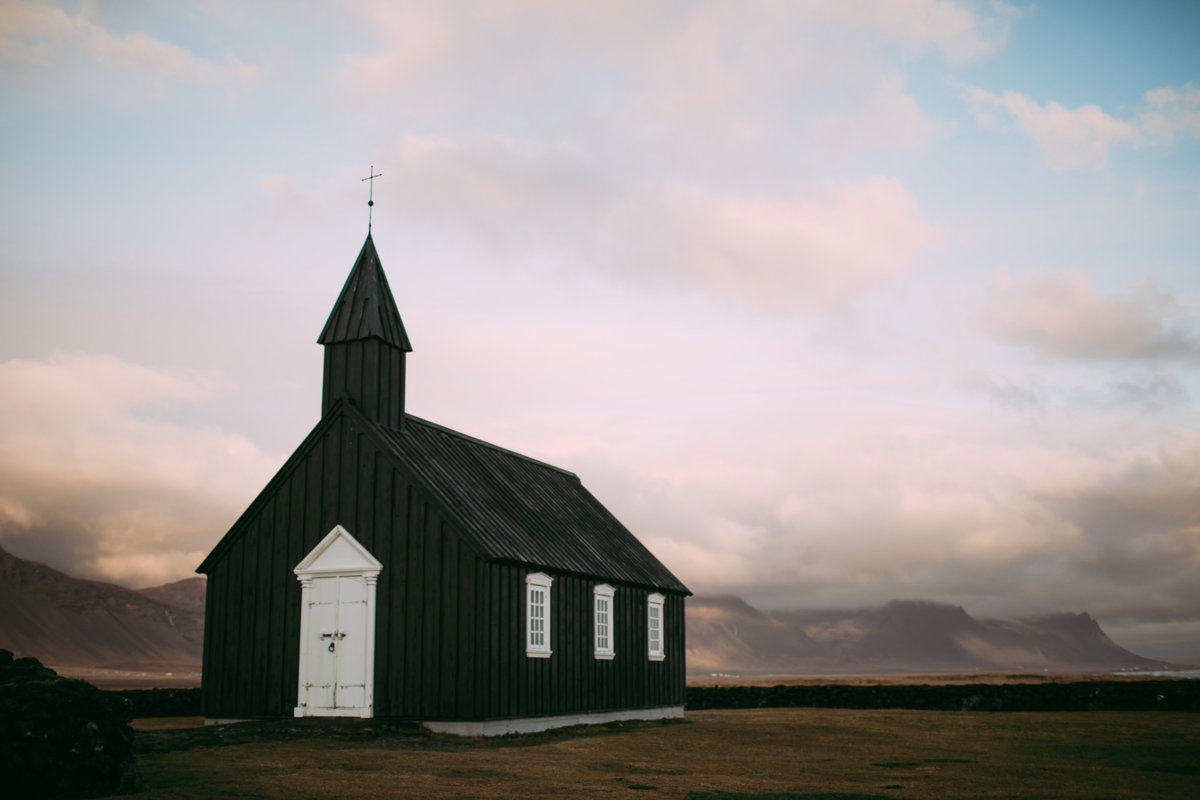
column 365, row 344
column 366, row 308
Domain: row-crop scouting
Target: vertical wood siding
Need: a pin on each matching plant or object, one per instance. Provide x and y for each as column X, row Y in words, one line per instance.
column 368, row 372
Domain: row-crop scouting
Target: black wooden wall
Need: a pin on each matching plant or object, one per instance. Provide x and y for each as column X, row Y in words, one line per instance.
column 450, row 638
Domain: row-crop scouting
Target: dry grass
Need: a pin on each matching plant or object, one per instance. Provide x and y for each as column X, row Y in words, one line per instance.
column 781, row 752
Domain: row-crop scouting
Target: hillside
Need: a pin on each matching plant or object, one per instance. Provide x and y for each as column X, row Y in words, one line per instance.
column 65, row 621
column 727, row 635
column 186, row 595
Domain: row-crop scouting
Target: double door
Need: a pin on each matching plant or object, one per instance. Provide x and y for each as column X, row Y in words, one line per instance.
column 336, row 653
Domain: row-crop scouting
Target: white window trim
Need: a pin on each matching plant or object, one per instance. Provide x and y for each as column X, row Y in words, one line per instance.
column 606, row 593
column 655, row 601
column 534, row 582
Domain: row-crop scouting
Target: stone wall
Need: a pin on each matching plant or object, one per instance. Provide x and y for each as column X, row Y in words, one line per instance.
column 1149, row 695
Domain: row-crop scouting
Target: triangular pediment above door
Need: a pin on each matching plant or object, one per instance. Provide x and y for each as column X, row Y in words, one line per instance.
column 339, row 553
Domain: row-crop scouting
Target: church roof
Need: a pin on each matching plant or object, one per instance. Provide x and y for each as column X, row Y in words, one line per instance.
column 366, row 309
column 520, row 509
column 513, row 507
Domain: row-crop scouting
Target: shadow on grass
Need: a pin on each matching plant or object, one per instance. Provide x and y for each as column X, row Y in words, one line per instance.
column 784, row 796
column 370, row 732
column 1175, row 769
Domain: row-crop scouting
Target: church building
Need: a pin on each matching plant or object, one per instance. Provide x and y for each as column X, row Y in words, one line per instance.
column 396, row 568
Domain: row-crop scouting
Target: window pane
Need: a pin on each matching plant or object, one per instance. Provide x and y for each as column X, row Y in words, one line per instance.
column 654, row 627
column 537, row 614
column 602, row 623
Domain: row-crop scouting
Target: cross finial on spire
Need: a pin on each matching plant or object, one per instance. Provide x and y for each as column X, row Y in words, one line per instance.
column 371, row 200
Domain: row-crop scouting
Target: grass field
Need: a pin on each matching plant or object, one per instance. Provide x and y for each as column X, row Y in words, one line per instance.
column 726, row 754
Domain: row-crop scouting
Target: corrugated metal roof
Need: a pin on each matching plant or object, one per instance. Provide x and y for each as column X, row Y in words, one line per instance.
column 366, row 309
column 521, row 509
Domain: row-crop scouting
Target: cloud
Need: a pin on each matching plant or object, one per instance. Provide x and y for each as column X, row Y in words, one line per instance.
column 960, row 32
column 1068, row 138
column 818, row 247
column 96, row 481
column 1073, row 138
column 718, row 76
column 791, row 77
column 1005, row 392
column 1148, row 394
column 845, row 518
column 676, row 145
column 417, row 37
column 1062, row 315
column 1172, row 112
column 414, row 39
column 1142, row 525
column 39, row 39
column 822, row 510
column 814, row 251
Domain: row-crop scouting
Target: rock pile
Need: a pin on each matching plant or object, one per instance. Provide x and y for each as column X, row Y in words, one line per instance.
column 61, row 738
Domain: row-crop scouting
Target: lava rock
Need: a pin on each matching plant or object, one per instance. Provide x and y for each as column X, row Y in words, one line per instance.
column 61, row 738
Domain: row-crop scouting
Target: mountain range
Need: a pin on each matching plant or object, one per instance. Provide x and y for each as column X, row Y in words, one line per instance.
column 70, row 622
column 728, row 635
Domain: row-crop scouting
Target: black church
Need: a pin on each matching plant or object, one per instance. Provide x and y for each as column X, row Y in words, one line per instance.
column 396, row 568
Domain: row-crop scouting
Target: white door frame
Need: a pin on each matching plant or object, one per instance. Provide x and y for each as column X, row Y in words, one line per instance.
column 337, row 555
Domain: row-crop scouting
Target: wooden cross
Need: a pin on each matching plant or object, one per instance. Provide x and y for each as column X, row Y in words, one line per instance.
column 371, row 200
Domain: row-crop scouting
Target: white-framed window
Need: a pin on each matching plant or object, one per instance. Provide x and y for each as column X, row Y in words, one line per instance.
column 537, row 614
column 655, row 627
column 602, row 620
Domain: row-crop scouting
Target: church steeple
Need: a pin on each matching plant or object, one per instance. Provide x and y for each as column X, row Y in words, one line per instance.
column 365, row 344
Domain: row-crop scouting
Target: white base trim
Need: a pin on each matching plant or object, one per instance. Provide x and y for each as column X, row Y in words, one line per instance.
column 500, row 727
column 341, row 711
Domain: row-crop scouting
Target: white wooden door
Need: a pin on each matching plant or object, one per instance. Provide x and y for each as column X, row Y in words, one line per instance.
column 336, row 672
column 349, row 690
column 322, row 661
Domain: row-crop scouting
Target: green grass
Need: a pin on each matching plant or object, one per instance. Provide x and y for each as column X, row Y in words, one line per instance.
column 765, row 754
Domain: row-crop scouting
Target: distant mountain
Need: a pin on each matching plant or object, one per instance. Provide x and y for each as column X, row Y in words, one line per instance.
column 187, row 595
column 727, row 635
column 65, row 621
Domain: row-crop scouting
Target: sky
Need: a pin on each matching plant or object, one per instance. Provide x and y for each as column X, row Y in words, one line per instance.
column 831, row 303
